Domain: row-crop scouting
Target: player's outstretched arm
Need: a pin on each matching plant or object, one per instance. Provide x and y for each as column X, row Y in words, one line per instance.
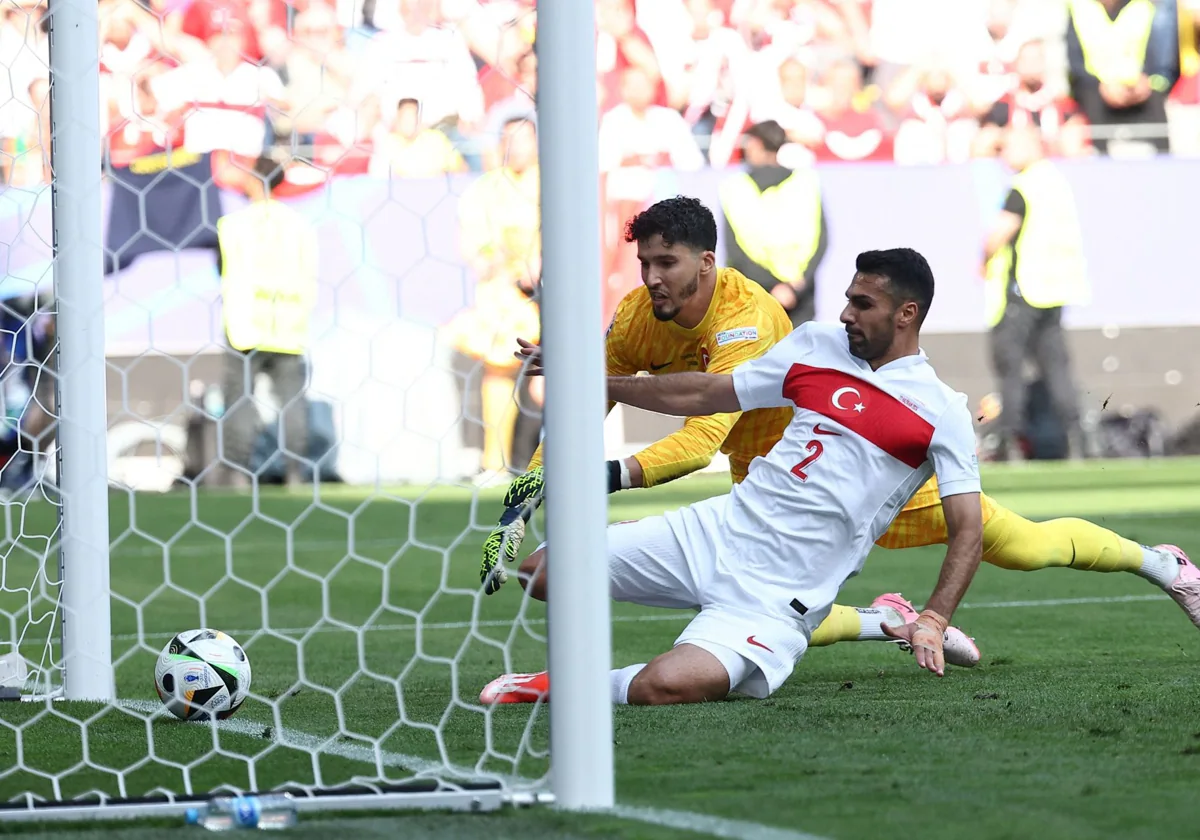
column 677, row 394
column 964, row 550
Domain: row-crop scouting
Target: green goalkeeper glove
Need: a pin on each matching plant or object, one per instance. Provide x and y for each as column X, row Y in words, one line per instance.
column 524, row 496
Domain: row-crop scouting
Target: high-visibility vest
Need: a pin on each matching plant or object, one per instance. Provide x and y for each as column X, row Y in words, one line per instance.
column 1050, row 267
column 1114, row 51
column 778, row 228
column 268, row 277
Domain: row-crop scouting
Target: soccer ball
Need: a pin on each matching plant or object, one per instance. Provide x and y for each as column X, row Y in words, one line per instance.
column 202, row 674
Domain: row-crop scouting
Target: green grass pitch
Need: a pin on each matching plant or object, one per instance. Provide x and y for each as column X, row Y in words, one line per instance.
column 1083, row 720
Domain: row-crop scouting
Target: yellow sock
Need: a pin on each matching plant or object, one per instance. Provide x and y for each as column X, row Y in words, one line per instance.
column 1013, row 542
column 853, row 624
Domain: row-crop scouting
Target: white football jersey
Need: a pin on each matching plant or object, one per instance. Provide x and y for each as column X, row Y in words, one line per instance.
column 860, row 445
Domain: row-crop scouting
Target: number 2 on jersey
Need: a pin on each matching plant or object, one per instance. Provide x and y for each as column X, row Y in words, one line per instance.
column 815, row 448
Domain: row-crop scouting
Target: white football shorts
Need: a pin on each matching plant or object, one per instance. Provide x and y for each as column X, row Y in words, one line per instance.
column 673, row 561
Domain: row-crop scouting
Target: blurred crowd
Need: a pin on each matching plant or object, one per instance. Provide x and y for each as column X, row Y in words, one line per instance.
column 293, row 92
column 417, row 88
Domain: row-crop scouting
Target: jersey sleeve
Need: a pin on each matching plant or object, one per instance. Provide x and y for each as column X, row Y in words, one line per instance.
column 692, row 447
column 617, row 361
column 759, row 383
column 952, row 451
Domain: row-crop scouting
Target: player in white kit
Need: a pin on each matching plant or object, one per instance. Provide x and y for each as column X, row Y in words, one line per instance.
column 764, row 563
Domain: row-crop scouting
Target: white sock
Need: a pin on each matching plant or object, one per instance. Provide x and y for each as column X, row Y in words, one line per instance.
column 621, row 678
column 1158, row 566
column 869, row 619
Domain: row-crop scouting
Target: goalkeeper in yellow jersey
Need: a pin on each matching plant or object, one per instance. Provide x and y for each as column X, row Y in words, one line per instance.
column 692, row 315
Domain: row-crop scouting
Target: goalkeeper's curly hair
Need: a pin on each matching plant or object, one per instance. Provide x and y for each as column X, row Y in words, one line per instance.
column 681, row 219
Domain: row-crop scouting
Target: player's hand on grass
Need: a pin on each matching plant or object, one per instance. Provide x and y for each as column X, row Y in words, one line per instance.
column 925, row 635
column 524, row 496
column 530, row 356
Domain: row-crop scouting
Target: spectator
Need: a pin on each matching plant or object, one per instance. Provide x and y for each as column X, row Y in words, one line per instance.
column 500, row 226
column 1187, row 91
column 319, row 72
column 1033, row 102
column 700, row 55
column 774, row 227
column 138, row 127
column 714, row 70
column 131, row 56
column 620, row 46
column 422, row 58
column 24, row 60
column 268, row 268
column 854, row 129
column 937, row 125
column 520, row 105
column 785, row 102
column 998, row 55
column 788, row 25
column 264, row 22
column 638, row 134
column 1124, row 60
column 1034, row 267
column 203, row 18
column 499, row 35
column 902, row 33
column 223, row 100
column 1184, row 105
column 412, row 150
column 857, row 17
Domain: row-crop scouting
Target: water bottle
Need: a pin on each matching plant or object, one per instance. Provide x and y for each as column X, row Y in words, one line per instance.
column 234, row 813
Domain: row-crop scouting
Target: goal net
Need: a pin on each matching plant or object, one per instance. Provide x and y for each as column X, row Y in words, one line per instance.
column 317, row 490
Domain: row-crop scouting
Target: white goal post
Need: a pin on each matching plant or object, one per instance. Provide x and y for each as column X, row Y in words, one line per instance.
column 387, row 681
column 87, row 672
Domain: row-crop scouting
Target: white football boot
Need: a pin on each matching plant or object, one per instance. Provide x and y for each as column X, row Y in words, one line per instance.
column 958, row 648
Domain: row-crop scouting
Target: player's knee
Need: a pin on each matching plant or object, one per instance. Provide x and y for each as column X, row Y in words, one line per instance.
column 532, row 575
column 656, row 687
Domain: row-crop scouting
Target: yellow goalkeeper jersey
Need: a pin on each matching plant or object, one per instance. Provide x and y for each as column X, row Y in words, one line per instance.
column 743, row 322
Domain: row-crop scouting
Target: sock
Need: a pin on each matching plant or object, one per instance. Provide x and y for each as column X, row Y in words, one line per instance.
column 853, row 624
column 620, row 679
column 1157, row 566
column 841, row 625
column 1013, row 542
column 871, row 617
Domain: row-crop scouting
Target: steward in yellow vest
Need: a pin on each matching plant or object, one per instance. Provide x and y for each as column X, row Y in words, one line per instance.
column 268, row 263
column 1123, row 57
column 1034, row 267
column 774, row 225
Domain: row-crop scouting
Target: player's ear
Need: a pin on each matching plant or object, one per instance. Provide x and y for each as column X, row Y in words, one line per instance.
column 708, row 260
column 908, row 314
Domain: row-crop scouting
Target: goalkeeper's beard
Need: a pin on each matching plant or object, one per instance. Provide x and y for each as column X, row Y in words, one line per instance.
column 667, row 310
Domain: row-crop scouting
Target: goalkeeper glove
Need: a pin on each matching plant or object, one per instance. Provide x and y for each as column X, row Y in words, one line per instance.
column 524, row 496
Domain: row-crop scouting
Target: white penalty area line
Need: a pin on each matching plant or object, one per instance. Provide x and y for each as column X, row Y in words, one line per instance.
column 424, row 768
column 623, row 619
column 705, row 824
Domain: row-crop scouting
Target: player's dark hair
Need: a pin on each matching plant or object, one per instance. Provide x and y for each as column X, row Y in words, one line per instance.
column 680, row 219
column 908, row 275
column 769, row 133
